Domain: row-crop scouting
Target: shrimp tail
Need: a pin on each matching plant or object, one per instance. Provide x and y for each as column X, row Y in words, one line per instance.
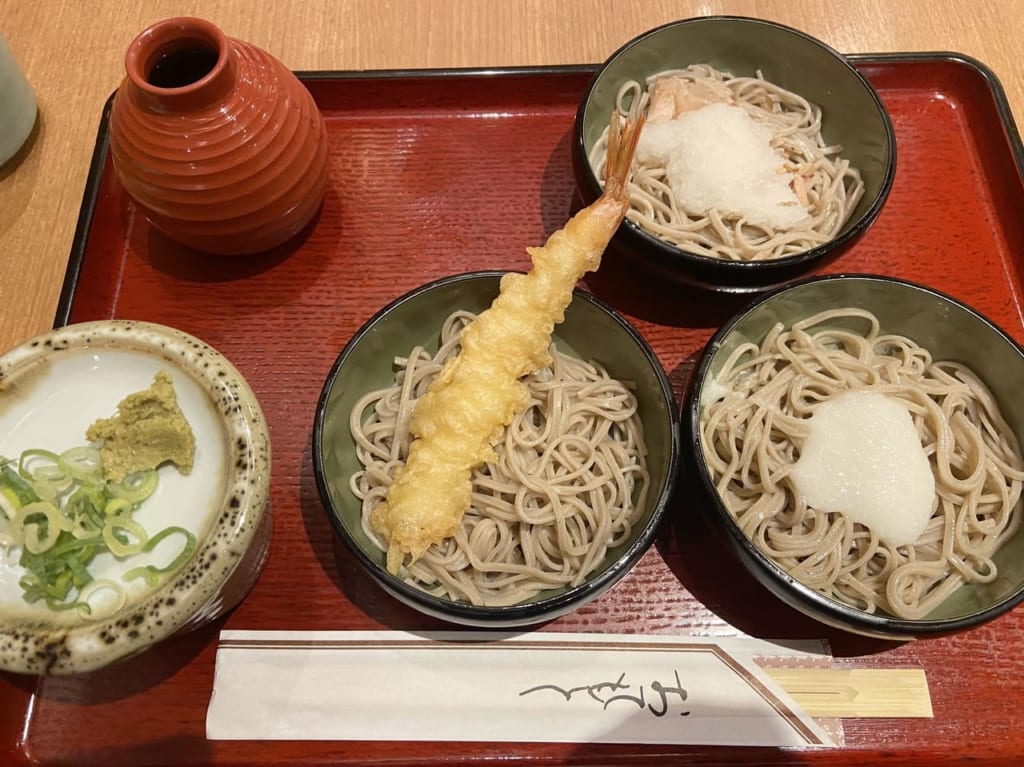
column 623, row 135
column 582, row 242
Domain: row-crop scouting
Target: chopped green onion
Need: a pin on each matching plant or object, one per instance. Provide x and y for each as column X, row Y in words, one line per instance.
column 7, row 507
column 152, row 573
column 115, row 506
column 66, row 546
column 83, row 463
column 136, row 487
column 7, row 514
column 55, row 604
column 46, row 465
column 63, row 512
column 45, row 471
column 15, row 488
column 121, row 545
column 86, row 607
column 37, row 525
column 86, row 506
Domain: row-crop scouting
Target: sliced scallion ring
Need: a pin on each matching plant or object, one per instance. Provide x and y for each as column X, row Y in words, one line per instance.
column 56, row 605
column 136, row 487
column 124, row 536
column 116, row 506
column 37, row 526
column 152, row 573
column 46, row 473
column 84, row 463
column 36, row 464
column 87, row 604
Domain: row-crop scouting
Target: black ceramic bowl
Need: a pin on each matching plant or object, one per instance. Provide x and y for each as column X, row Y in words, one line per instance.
column 591, row 330
column 950, row 330
column 852, row 116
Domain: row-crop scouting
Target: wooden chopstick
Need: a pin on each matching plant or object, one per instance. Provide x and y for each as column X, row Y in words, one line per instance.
column 823, row 692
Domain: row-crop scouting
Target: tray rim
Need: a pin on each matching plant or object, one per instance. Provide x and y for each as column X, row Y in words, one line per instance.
column 97, row 163
column 101, row 148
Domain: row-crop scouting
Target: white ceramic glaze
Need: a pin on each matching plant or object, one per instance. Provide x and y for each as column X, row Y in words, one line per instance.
column 51, row 389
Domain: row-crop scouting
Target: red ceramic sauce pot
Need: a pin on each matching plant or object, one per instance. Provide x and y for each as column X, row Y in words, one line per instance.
column 215, row 140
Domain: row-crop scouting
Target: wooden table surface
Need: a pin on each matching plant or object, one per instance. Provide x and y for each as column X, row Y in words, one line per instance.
column 72, row 53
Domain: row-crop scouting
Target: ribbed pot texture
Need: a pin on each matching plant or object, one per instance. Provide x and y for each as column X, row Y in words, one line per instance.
column 218, row 143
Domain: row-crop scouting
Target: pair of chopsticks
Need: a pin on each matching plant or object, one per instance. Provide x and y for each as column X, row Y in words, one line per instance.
column 841, row 693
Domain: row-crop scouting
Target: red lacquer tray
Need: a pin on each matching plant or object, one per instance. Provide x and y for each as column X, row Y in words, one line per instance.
column 434, row 173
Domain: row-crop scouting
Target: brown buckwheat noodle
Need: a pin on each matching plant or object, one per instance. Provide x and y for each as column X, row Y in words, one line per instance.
column 569, row 478
column 833, row 187
column 751, row 438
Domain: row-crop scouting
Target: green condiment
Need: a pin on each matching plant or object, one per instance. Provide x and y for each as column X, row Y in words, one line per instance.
column 64, row 510
column 148, row 430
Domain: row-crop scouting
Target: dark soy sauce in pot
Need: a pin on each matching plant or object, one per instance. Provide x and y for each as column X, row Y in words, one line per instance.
column 183, row 67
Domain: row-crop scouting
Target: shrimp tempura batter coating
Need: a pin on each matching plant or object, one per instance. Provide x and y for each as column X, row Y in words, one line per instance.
column 477, row 394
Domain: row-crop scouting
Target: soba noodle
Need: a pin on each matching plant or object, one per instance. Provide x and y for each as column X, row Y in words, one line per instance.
column 833, row 187
column 568, row 481
column 752, row 436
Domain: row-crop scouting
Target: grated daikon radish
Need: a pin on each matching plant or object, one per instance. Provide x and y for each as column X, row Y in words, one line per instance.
column 863, row 458
column 719, row 158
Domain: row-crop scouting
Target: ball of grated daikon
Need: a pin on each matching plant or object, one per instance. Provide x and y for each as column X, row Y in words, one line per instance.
column 719, row 158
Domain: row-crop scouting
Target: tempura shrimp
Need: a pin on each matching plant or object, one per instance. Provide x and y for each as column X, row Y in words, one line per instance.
column 478, row 392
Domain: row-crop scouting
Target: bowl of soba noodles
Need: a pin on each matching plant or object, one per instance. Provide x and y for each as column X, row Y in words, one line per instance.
column 857, row 440
column 764, row 153
column 566, row 500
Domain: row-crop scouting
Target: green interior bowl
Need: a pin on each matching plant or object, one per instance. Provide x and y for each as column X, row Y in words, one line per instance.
column 591, row 330
column 852, row 116
column 950, row 330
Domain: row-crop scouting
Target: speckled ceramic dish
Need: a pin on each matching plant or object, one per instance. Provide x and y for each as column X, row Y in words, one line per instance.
column 51, row 389
column 591, row 331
